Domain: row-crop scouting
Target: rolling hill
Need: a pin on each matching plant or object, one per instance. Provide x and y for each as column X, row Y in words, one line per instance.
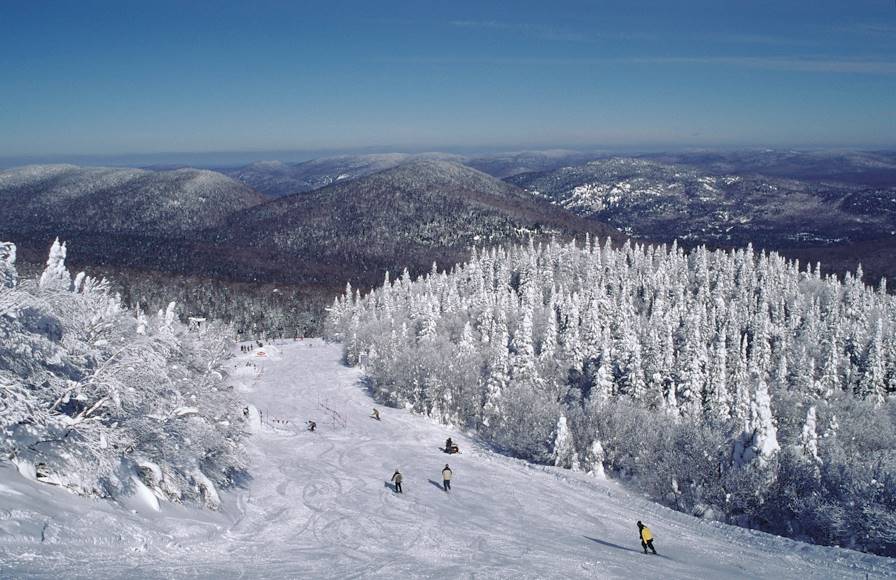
column 409, row 215
column 65, row 199
column 278, row 179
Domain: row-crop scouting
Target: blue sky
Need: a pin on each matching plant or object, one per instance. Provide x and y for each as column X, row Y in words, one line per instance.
column 92, row 77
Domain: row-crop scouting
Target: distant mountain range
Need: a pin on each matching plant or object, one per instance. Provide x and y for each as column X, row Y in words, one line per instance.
column 870, row 168
column 663, row 202
column 317, row 224
column 277, row 179
column 420, row 211
column 67, row 198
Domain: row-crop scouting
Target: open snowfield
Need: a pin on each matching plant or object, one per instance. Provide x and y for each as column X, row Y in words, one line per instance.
column 319, row 506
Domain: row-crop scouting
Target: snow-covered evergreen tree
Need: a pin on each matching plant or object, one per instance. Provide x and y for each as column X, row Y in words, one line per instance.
column 565, row 454
column 56, row 276
column 758, row 441
column 594, row 459
column 618, row 341
column 809, row 436
column 8, row 274
column 95, row 395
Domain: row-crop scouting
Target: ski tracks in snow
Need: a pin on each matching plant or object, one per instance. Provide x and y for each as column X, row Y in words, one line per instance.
column 318, row 506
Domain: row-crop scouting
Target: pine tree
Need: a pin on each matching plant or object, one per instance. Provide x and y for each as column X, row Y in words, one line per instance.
column 603, row 385
column 55, row 275
column 498, row 378
column 692, row 369
column 740, row 410
column 873, row 386
column 8, row 274
column 564, row 448
column 595, row 459
column 523, row 363
column 809, row 437
column 829, row 382
column 720, row 396
column 758, row 441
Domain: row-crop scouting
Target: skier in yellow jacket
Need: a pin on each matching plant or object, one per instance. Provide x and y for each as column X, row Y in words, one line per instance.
column 646, row 538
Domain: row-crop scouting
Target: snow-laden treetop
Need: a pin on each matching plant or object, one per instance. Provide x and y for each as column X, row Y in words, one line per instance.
column 692, row 371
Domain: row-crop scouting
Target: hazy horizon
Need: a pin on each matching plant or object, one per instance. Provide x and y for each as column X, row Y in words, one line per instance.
column 231, row 159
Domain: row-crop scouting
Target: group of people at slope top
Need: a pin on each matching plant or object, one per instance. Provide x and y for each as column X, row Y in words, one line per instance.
column 397, row 478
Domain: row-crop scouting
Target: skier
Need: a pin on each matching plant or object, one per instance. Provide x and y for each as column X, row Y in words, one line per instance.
column 446, row 478
column 311, row 426
column 396, row 477
column 646, row 538
column 448, row 445
column 375, row 414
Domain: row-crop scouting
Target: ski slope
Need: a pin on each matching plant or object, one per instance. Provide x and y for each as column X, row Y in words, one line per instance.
column 319, row 505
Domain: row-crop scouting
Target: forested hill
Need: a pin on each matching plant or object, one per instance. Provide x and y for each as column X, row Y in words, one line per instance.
column 729, row 385
column 213, row 237
column 412, row 215
column 67, row 200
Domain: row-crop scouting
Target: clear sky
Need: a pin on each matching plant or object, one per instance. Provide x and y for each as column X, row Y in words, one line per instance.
column 112, row 77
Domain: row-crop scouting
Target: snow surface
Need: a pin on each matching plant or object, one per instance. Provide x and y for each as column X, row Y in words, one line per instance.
column 319, row 505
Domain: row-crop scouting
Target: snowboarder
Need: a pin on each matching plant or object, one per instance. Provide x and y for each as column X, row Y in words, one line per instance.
column 312, row 426
column 446, row 478
column 375, row 414
column 451, row 446
column 646, row 538
column 396, row 478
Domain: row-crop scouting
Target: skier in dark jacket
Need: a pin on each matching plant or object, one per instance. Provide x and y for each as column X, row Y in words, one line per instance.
column 312, row 426
column 446, row 478
column 646, row 537
column 396, row 478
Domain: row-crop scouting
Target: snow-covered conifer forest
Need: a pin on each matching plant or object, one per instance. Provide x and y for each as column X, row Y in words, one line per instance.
column 736, row 386
column 104, row 400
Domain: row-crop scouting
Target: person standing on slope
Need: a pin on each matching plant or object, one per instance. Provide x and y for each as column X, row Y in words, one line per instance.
column 646, row 538
column 375, row 414
column 396, row 478
column 446, row 478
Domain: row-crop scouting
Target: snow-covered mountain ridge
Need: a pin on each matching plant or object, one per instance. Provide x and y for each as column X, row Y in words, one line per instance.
column 319, row 506
column 63, row 198
column 665, row 201
column 411, row 215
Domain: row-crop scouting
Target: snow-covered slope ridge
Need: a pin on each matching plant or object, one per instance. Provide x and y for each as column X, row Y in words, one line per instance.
column 319, row 506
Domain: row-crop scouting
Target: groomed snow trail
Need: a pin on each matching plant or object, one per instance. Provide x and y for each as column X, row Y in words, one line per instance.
column 319, row 506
